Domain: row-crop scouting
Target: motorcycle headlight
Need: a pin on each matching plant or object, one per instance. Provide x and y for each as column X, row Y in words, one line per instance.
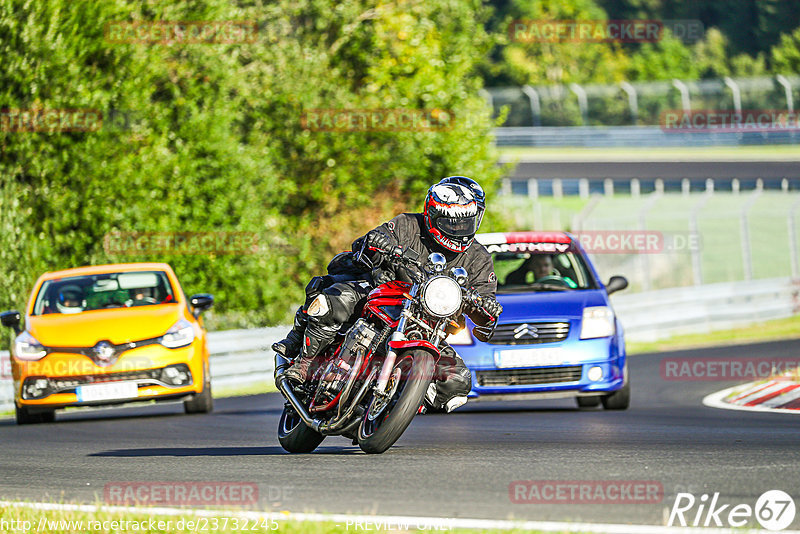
column 26, row 347
column 180, row 335
column 462, row 337
column 598, row 321
column 442, row 296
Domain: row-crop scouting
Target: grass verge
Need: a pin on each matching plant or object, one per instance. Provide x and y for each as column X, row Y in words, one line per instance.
column 776, row 330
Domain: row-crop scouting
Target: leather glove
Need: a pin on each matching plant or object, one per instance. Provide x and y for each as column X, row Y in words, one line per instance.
column 379, row 240
column 492, row 307
column 381, row 276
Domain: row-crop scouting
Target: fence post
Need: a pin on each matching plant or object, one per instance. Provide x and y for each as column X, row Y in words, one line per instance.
column 533, row 188
column 558, row 188
column 737, row 94
column 583, row 102
column 793, row 238
column 583, row 188
column 686, row 101
column 694, row 229
column 536, row 105
column 644, row 258
column 633, row 101
column 787, row 88
column 744, row 229
column 608, row 187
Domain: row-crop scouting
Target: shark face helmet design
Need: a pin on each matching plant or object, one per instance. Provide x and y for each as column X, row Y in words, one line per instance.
column 451, row 216
column 477, row 191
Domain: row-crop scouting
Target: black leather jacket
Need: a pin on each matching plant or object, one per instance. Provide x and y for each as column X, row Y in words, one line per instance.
column 408, row 231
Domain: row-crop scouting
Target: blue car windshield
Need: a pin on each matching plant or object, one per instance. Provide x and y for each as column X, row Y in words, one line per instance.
column 534, row 271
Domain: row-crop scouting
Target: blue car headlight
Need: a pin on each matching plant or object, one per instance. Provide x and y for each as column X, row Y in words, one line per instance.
column 598, row 321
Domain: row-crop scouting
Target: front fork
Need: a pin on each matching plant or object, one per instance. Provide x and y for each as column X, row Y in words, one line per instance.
column 391, row 355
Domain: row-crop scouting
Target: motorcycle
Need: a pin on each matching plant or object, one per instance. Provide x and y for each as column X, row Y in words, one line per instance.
column 371, row 381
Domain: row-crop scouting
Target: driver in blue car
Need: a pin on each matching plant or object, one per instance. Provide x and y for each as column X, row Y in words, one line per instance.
column 452, row 213
column 541, row 265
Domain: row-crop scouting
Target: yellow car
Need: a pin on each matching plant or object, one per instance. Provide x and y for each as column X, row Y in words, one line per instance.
column 109, row 334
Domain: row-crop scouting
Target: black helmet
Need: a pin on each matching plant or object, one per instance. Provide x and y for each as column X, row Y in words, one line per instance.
column 451, row 216
column 477, row 191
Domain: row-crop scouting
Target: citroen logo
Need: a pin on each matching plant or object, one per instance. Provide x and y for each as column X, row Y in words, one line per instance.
column 104, row 351
column 524, row 330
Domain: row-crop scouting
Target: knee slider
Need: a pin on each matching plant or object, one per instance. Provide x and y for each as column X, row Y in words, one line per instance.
column 319, row 307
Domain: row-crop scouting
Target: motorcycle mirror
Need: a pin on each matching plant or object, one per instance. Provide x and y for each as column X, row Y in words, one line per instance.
column 460, row 275
column 438, row 261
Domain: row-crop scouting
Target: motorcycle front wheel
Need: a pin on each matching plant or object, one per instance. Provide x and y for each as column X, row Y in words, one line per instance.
column 294, row 435
column 386, row 420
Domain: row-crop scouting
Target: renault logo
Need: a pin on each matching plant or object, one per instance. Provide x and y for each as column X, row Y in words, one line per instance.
column 104, row 351
column 526, row 330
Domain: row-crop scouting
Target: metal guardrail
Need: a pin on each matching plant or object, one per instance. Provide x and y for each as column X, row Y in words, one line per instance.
column 244, row 357
column 653, row 315
column 637, row 136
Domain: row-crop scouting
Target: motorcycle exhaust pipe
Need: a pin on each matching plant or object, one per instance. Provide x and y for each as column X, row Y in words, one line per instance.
column 286, row 391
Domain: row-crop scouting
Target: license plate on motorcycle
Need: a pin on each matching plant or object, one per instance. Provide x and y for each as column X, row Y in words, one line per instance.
column 536, row 357
column 110, row 391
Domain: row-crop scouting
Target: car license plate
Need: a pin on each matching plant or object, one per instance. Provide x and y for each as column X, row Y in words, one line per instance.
column 110, row 391
column 538, row 357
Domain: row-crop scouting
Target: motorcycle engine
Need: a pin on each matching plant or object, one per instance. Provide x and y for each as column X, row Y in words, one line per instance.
column 338, row 371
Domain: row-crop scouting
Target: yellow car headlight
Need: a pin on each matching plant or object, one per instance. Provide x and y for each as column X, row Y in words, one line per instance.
column 180, row 335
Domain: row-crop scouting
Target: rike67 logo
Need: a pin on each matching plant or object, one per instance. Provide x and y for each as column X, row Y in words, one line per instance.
column 774, row 510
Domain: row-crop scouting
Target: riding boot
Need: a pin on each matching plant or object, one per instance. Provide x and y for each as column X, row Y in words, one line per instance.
column 290, row 346
column 317, row 338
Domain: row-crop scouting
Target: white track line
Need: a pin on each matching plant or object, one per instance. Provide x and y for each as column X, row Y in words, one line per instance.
column 714, row 400
column 414, row 523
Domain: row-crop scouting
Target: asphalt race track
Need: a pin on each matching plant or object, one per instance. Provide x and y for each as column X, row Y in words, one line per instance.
column 457, row 465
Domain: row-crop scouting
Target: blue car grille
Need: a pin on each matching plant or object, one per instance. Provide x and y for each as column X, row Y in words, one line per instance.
column 529, row 333
column 527, row 377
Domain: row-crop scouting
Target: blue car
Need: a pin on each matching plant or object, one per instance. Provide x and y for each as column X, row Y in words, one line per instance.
column 558, row 335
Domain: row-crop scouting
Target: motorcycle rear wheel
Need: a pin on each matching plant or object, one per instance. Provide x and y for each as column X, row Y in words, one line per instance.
column 416, row 371
column 294, row 435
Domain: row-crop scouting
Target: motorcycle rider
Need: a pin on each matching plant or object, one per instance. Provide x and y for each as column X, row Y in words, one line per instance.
column 453, row 211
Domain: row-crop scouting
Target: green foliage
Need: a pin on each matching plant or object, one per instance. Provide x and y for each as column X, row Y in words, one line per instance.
column 212, row 138
column 786, row 54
